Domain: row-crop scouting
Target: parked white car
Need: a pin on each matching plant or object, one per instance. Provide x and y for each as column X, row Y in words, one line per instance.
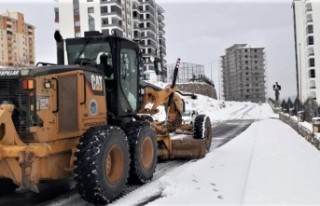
column 188, row 116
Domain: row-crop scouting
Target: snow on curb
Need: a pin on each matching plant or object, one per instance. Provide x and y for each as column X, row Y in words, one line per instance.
column 303, row 128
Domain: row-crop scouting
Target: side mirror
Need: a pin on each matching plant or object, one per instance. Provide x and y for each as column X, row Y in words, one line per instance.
column 157, row 66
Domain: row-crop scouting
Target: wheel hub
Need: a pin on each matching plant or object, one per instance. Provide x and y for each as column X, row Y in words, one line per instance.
column 147, row 153
column 114, row 164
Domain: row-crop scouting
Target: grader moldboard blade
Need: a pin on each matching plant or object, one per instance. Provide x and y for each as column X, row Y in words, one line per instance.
column 196, row 140
column 188, row 148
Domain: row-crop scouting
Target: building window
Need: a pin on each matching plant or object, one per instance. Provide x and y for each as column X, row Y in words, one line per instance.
column 104, row 9
column 105, row 21
column 309, row 29
column 310, row 40
column 56, row 15
column 90, row 10
column 311, row 62
column 312, row 73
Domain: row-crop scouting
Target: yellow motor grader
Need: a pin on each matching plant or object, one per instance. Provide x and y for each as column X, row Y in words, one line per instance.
column 85, row 117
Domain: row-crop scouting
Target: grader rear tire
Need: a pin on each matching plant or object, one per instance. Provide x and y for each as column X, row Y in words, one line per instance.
column 143, row 151
column 202, row 130
column 102, row 164
column 7, row 186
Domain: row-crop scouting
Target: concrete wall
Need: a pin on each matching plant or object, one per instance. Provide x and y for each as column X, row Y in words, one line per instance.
column 198, row 88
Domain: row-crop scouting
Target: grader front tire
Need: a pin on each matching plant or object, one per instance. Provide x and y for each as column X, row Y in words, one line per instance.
column 102, row 164
column 143, row 151
column 7, row 186
column 202, row 130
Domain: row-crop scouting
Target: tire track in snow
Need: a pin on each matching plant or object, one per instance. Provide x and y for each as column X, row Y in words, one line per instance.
column 247, row 111
column 237, row 111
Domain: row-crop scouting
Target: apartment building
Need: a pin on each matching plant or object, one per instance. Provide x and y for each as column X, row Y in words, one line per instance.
column 243, row 73
column 17, row 43
column 139, row 20
column 306, row 15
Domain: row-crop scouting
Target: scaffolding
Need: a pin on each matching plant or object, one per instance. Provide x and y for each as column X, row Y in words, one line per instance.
column 187, row 72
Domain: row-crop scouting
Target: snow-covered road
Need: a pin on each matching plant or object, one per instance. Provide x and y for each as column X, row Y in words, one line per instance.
column 269, row 163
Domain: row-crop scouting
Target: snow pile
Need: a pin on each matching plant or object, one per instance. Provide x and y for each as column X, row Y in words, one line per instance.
column 224, row 110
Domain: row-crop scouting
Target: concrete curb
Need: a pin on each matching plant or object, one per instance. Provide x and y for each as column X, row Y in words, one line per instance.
column 306, row 133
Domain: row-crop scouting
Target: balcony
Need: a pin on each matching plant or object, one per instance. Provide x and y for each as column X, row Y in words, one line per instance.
column 161, row 32
column 150, row 10
column 114, row 11
column 115, row 22
column 150, row 27
column 308, row 7
column 309, row 18
column 161, row 24
column 310, row 51
column 149, row 35
column 110, row 2
column 312, row 84
column 149, row 3
column 163, row 49
column 160, row 17
column 160, row 10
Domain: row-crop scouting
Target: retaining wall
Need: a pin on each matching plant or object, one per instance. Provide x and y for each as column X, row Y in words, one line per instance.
column 198, row 88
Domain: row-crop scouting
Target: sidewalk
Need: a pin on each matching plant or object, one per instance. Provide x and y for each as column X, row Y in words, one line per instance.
column 284, row 168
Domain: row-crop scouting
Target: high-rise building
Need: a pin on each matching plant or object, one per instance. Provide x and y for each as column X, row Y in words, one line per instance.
column 243, row 73
column 139, row 20
column 306, row 15
column 17, row 46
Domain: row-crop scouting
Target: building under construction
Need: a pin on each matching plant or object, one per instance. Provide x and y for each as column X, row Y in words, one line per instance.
column 187, row 72
column 243, row 69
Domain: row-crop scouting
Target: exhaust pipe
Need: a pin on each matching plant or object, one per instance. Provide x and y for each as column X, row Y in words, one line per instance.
column 60, row 47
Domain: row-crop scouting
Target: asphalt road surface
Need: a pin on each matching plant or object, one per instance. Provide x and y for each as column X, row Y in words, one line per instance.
column 63, row 192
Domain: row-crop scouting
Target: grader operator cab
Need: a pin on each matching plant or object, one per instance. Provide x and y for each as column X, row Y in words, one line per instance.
column 81, row 119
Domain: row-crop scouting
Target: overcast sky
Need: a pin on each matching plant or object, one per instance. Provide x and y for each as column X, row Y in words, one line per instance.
column 199, row 32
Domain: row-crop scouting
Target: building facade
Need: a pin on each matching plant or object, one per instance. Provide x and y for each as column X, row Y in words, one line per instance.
column 139, row 20
column 306, row 15
column 17, row 43
column 243, row 74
